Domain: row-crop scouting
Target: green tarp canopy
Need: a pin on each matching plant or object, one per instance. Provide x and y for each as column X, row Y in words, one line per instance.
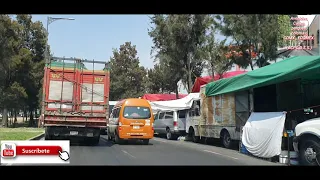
column 66, row 65
column 304, row 67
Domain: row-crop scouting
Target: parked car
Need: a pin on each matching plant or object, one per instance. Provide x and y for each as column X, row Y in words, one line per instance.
column 307, row 142
column 170, row 123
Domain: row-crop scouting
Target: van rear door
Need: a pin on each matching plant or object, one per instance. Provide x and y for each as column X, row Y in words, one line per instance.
column 137, row 118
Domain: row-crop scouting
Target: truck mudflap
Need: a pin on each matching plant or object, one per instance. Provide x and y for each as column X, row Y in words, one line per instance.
column 53, row 132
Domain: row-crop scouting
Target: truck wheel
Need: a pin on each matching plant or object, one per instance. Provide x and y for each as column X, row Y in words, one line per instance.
column 226, row 140
column 309, row 152
column 145, row 141
column 47, row 137
column 92, row 141
column 193, row 136
column 117, row 139
column 96, row 140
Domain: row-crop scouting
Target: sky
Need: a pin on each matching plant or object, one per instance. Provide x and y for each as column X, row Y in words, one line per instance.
column 309, row 17
column 94, row 36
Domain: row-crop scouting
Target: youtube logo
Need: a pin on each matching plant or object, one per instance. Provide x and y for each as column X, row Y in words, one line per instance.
column 8, row 150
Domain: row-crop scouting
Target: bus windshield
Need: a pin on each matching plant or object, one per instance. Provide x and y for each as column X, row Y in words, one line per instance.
column 136, row 112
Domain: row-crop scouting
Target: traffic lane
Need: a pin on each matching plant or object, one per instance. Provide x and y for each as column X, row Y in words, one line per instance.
column 160, row 153
column 219, row 151
column 105, row 153
column 102, row 154
column 134, row 153
column 298, row 52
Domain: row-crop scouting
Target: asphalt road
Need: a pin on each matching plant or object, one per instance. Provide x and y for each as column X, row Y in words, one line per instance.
column 300, row 53
column 158, row 152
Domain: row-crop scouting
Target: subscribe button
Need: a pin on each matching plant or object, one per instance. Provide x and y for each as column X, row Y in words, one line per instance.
column 11, row 151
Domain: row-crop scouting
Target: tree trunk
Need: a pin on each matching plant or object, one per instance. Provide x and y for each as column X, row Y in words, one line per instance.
column 5, row 117
column 212, row 71
column 31, row 120
column 250, row 57
column 189, row 76
column 176, row 91
column 15, row 119
column 25, row 114
column 36, row 117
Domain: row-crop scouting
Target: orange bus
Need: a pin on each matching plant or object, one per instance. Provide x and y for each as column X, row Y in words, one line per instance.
column 131, row 119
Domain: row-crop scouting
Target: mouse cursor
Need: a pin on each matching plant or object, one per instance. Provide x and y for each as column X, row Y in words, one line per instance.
column 64, row 155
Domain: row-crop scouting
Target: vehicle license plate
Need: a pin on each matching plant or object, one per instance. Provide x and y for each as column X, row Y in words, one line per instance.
column 136, row 127
column 73, row 133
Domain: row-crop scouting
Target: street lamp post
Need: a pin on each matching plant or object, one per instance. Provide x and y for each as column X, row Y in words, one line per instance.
column 49, row 21
column 47, row 55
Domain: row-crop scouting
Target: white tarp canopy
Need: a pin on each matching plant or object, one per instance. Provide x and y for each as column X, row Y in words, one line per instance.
column 262, row 134
column 178, row 104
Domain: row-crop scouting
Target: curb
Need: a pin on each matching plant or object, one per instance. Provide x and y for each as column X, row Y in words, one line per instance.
column 37, row 137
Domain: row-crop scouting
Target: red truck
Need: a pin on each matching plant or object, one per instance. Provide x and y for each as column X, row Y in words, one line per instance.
column 75, row 99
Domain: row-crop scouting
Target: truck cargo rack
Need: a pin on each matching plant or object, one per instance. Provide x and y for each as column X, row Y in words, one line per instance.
column 77, row 63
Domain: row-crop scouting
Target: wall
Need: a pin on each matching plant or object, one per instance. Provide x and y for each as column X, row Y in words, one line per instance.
column 313, row 28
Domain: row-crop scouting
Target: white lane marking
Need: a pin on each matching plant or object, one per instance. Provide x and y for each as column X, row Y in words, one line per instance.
column 128, row 153
column 219, row 154
column 160, row 140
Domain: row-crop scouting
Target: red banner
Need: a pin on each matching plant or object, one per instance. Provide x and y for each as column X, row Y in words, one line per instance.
column 38, row 150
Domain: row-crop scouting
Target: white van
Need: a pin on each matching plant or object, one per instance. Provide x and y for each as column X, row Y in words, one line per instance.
column 172, row 124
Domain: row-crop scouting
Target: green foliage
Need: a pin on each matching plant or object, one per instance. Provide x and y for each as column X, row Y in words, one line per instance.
column 215, row 53
column 285, row 26
column 127, row 76
column 256, row 36
column 177, row 42
column 22, row 47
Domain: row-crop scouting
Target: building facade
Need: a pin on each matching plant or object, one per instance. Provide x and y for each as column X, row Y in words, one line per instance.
column 314, row 31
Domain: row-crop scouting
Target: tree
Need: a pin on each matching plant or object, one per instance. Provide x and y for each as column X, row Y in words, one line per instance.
column 177, row 39
column 12, row 59
column 253, row 34
column 216, row 55
column 127, row 76
column 34, row 39
column 285, row 26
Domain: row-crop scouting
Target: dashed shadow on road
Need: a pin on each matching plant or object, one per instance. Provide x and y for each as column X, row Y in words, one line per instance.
column 81, row 142
column 128, row 142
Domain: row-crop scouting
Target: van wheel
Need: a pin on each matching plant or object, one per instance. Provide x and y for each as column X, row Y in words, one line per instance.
column 117, row 139
column 309, row 152
column 170, row 136
column 226, row 140
column 145, row 141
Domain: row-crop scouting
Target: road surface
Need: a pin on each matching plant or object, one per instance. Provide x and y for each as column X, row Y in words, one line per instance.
column 300, row 53
column 158, row 152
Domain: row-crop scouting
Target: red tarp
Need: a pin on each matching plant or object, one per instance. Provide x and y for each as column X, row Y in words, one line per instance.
column 205, row 80
column 161, row 97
